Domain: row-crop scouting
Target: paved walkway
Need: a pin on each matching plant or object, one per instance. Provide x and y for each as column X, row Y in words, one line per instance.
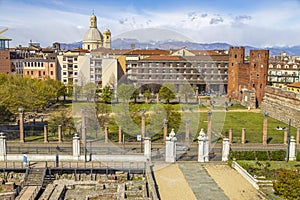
column 201, row 183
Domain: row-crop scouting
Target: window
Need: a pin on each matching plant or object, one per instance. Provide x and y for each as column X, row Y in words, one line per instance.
column 75, row 73
column 64, row 73
column 65, row 80
column 51, row 65
column 64, row 58
column 31, row 72
column 51, row 73
column 64, row 66
column 75, row 66
column 44, row 73
column 258, row 55
column 235, row 56
column 270, row 66
column 75, row 59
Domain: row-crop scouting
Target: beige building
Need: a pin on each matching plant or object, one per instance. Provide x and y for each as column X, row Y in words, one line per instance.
column 93, row 38
column 74, row 67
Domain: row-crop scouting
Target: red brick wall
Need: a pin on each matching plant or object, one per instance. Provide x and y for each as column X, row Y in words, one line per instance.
column 5, row 62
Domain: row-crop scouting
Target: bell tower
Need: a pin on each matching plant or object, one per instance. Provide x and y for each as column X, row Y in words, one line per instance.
column 107, row 39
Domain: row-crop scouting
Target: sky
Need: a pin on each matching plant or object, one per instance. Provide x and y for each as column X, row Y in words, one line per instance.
column 264, row 23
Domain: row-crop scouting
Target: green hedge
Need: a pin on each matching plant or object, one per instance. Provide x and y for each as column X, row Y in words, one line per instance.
column 298, row 156
column 278, row 155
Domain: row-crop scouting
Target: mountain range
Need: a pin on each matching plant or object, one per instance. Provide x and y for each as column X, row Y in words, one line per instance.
column 125, row 43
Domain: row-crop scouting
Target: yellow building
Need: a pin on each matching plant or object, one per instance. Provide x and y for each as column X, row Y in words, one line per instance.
column 294, row 87
column 93, row 38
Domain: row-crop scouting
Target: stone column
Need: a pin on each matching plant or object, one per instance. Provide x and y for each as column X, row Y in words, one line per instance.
column 230, row 135
column 76, row 147
column 147, row 147
column 2, row 147
column 59, row 133
column 203, row 147
column 265, row 129
column 171, row 147
column 285, row 136
column 165, row 129
column 292, row 155
column 209, row 126
column 157, row 98
column 120, row 134
column 298, row 136
column 187, row 131
column 46, row 134
column 106, row 134
column 21, row 124
column 225, row 149
column 143, row 125
column 243, row 135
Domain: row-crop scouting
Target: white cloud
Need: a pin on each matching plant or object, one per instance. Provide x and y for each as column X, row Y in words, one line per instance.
column 276, row 24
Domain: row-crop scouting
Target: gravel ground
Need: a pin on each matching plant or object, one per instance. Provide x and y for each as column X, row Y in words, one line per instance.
column 171, row 183
column 232, row 183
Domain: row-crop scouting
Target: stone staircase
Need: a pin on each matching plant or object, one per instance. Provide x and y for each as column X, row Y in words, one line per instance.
column 35, row 177
column 33, row 183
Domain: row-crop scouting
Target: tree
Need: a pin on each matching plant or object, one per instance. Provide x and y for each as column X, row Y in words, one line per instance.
column 65, row 119
column 167, row 92
column 106, row 94
column 147, row 95
column 186, row 91
column 89, row 91
column 125, row 92
column 287, row 184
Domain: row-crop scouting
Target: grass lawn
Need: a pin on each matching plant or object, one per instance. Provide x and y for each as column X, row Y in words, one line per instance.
column 177, row 114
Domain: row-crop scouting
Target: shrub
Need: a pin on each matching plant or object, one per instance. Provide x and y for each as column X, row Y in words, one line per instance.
column 261, row 155
column 298, row 156
column 278, row 155
column 287, row 185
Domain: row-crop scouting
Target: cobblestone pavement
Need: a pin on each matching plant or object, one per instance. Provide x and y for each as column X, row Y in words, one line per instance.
column 201, row 183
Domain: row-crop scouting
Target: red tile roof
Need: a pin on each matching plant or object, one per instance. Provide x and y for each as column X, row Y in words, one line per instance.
column 164, row 58
column 296, row 85
column 148, row 52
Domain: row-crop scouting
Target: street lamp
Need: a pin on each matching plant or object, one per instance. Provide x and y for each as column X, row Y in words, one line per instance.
column 83, row 132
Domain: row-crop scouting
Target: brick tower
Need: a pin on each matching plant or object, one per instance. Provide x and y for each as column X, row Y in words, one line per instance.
column 259, row 63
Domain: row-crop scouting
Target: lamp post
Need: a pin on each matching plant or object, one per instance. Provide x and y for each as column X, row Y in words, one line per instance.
column 21, row 124
column 209, row 126
column 83, row 132
column 289, row 141
column 187, row 131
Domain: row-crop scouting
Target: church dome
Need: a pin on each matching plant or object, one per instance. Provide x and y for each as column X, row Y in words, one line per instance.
column 93, row 34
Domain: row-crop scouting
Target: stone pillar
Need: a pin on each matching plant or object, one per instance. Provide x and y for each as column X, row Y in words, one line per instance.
column 46, row 134
column 147, row 147
column 157, row 98
column 265, row 129
column 243, row 135
column 59, row 133
column 143, row 125
column 187, row 131
column 2, row 147
column 21, row 124
column 120, row 134
column 171, row 147
column 292, row 154
column 165, row 129
column 230, row 135
column 76, row 147
column 203, row 147
column 298, row 136
column 285, row 136
column 209, row 126
column 106, row 134
column 225, row 149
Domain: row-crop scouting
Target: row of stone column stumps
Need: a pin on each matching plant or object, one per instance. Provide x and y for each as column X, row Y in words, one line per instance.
column 265, row 142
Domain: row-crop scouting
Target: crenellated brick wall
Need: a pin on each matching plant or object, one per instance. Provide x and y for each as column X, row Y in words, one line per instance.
column 282, row 105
